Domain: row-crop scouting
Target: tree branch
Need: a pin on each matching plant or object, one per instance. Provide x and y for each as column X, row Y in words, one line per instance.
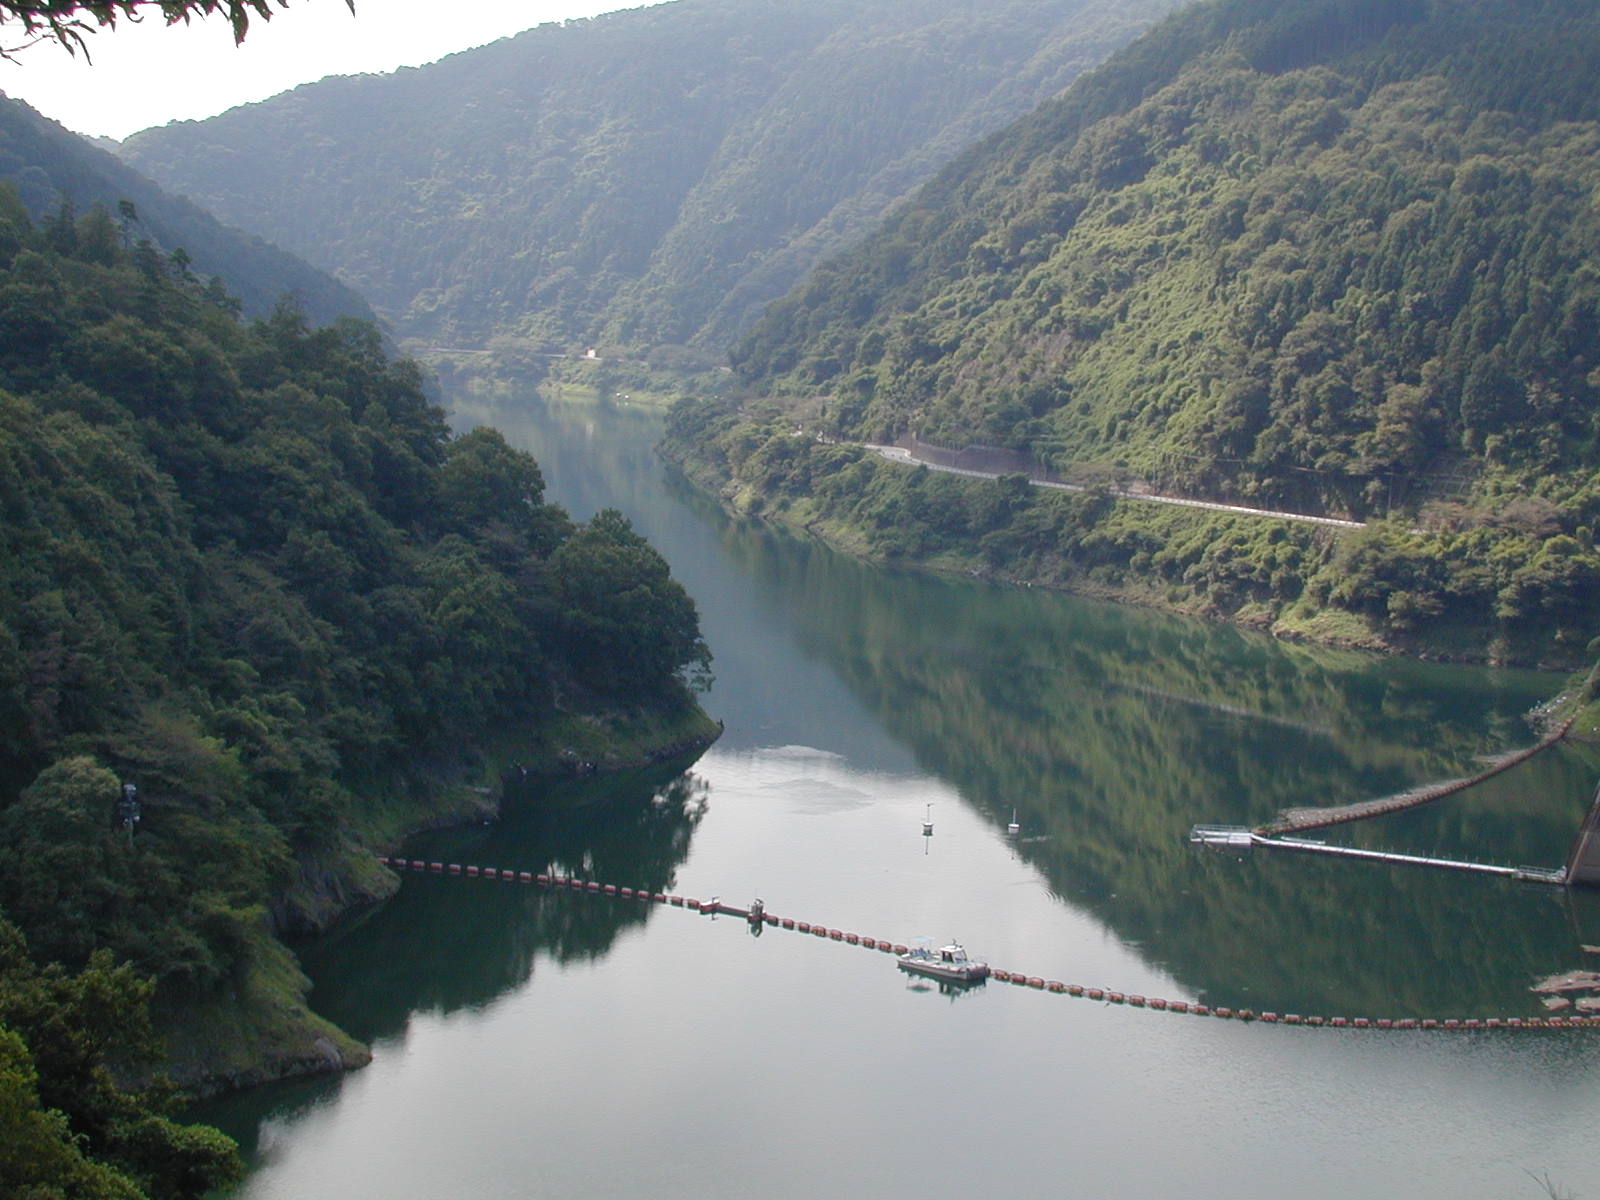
column 67, row 22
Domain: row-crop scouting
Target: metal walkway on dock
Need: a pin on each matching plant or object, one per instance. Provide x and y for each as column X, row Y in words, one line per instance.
column 1239, row 839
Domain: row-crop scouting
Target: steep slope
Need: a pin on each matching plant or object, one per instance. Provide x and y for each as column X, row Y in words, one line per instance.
column 648, row 177
column 245, row 568
column 1338, row 256
column 49, row 165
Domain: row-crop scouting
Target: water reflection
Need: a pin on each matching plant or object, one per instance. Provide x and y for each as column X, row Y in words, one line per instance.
column 1110, row 731
column 484, row 938
column 941, row 987
column 855, row 696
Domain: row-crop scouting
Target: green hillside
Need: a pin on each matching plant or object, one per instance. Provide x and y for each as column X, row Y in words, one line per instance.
column 1332, row 256
column 648, row 178
column 245, row 567
column 49, row 166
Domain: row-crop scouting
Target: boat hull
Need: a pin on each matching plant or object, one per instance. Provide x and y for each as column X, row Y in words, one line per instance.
column 969, row 972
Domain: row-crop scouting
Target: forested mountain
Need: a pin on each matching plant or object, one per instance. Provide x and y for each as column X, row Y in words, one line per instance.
column 1339, row 256
column 647, row 178
column 245, row 568
column 50, row 166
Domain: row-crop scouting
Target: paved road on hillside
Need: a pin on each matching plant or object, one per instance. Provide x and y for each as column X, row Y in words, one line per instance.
column 901, row 455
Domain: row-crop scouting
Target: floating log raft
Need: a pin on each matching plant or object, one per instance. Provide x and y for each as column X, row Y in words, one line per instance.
column 1572, row 981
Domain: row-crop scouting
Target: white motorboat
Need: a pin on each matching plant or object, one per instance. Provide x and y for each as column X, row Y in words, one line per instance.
column 947, row 962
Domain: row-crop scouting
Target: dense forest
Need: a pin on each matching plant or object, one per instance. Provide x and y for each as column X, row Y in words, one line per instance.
column 642, row 180
column 1333, row 256
column 246, row 569
column 45, row 162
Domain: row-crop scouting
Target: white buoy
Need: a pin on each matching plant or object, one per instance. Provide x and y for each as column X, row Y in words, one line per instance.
column 927, row 823
column 1013, row 829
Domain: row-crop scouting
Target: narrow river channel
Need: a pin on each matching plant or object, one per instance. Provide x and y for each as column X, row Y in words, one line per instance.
column 530, row 1044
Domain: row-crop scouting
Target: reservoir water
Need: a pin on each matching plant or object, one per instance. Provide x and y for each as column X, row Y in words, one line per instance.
column 529, row 1044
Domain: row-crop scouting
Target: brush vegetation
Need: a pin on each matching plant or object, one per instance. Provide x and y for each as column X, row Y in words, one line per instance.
column 1332, row 256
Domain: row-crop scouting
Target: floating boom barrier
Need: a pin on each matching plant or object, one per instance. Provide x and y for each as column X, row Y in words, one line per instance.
column 715, row 907
column 1301, row 820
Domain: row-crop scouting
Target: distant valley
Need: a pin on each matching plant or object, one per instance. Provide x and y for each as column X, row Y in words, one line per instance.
column 646, row 180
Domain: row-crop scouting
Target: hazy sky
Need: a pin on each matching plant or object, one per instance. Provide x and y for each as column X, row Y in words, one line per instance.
column 149, row 74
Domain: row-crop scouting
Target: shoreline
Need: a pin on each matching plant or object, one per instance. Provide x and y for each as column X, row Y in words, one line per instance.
column 262, row 1030
column 1464, row 641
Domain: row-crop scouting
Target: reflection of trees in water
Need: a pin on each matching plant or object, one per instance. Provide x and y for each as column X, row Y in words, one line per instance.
column 1111, row 730
column 445, row 943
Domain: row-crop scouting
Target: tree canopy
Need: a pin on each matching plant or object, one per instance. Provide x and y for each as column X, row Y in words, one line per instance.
column 68, row 21
column 245, row 567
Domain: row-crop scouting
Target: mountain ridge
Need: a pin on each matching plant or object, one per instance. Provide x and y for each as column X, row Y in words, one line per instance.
column 50, row 165
column 1291, row 256
column 650, row 177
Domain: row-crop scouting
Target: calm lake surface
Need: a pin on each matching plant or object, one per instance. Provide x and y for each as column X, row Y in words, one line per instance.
column 530, row 1044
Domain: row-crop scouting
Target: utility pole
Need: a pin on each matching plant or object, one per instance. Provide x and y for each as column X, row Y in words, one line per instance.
column 127, row 813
